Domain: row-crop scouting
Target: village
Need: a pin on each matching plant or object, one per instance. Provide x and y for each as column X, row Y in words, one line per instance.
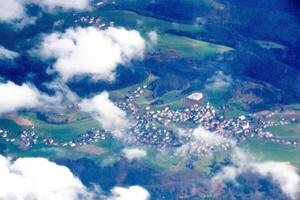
column 159, row 127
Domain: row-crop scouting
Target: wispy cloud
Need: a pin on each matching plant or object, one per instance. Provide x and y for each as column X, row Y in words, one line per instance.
column 7, row 54
column 219, row 81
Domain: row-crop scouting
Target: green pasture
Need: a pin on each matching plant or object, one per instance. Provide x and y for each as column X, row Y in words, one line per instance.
column 61, row 132
column 143, row 23
column 289, row 131
column 269, row 151
column 189, row 47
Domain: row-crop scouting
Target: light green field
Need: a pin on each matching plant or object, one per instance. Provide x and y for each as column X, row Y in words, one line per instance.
column 61, row 132
column 189, row 47
column 267, row 151
column 237, row 108
column 290, row 131
column 171, row 96
column 217, row 97
column 172, row 99
column 121, row 93
column 204, row 162
column 205, row 4
column 163, row 160
column 133, row 20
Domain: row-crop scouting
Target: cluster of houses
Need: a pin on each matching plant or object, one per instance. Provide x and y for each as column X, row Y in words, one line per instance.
column 29, row 137
column 159, row 127
column 90, row 137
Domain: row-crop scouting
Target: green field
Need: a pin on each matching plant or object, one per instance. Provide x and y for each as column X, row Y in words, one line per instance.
column 121, row 93
column 267, row 151
column 189, row 47
column 163, row 160
column 204, row 3
column 61, row 132
column 10, row 126
column 289, row 131
column 143, row 23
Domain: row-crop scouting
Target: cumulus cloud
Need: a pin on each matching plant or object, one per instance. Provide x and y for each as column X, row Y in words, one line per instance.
column 109, row 115
column 283, row 173
column 219, row 81
column 39, row 179
column 7, row 54
column 131, row 193
column 134, row 153
column 90, row 51
column 14, row 97
column 11, row 10
column 202, row 140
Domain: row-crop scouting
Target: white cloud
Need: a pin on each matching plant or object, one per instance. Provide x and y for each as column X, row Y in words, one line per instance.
column 109, row 115
column 201, row 134
column 219, row 81
column 202, row 140
column 90, row 51
column 62, row 4
column 11, row 10
column 39, row 179
column 14, row 11
column 283, row 173
column 134, row 153
column 131, row 193
column 14, row 97
column 7, row 54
